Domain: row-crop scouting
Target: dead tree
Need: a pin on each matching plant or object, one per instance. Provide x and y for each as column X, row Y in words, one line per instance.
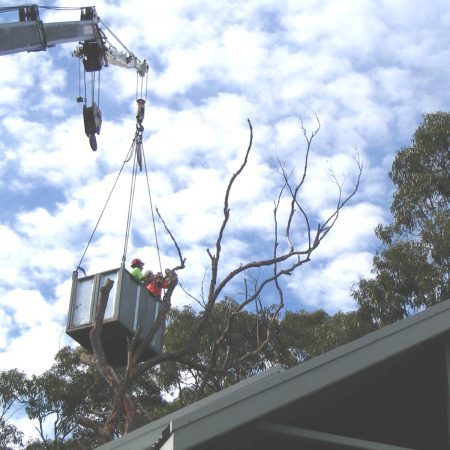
column 281, row 261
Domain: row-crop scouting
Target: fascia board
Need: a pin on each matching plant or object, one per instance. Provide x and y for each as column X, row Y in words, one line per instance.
column 139, row 439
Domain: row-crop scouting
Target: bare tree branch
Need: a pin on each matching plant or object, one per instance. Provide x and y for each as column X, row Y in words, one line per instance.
column 182, row 260
column 279, row 262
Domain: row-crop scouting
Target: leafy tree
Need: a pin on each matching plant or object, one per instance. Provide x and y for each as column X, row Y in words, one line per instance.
column 411, row 271
column 56, row 399
column 304, row 335
column 57, row 396
column 13, row 390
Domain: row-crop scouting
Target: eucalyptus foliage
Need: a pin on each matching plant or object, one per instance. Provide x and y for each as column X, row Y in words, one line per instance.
column 13, row 394
column 411, row 270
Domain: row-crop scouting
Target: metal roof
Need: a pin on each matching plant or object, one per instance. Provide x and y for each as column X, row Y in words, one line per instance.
column 270, row 395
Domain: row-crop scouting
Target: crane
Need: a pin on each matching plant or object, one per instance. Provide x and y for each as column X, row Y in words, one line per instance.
column 30, row 34
column 132, row 307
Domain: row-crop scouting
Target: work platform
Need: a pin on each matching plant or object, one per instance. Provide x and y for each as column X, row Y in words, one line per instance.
column 129, row 306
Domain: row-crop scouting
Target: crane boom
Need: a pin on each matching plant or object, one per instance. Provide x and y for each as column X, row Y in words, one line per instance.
column 30, row 34
column 34, row 36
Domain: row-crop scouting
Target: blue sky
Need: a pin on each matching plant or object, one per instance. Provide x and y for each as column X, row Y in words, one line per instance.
column 367, row 69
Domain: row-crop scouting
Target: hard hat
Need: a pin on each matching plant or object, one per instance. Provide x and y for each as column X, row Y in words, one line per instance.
column 136, row 262
column 148, row 273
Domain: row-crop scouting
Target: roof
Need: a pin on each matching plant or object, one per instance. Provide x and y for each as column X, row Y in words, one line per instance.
column 386, row 390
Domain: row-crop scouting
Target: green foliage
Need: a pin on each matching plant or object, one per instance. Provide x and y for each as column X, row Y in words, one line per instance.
column 13, row 390
column 303, row 335
column 54, row 399
column 69, row 388
column 247, row 329
column 420, row 174
column 298, row 336
column 411, row 271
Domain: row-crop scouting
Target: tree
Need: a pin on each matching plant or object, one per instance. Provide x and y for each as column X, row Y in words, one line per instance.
column 13, row 390
column 300, row 238
column 411, row 271
column 55, row 399
column 304, row 335
column 61, row 393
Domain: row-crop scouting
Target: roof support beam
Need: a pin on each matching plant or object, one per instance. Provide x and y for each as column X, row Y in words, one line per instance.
column 447, row 390
column 318, row 437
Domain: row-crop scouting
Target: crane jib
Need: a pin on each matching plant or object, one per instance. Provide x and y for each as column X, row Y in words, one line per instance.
column 35, row 36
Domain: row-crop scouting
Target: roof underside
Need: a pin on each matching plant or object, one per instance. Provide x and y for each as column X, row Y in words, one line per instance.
column 398, row 403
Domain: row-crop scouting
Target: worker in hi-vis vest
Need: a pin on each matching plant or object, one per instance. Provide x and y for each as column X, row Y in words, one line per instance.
column 136, row 269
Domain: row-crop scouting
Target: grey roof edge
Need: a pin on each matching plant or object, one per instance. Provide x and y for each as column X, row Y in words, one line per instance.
column 194, row 422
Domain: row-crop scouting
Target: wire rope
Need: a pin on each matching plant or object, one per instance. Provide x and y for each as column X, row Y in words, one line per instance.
column 79, row 81
column 137, row 87
column 101, row 215
column 92, row 88
column 85, row 86
column 132, row 151
column 98, row 89
column 140, row 88
column 130, row 205
column 152, row 210
column 115, row 37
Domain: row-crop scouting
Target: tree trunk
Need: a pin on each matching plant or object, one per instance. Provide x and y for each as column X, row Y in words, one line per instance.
column 125, row 405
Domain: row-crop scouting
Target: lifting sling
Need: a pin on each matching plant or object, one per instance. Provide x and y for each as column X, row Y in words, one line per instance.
column 136, row 152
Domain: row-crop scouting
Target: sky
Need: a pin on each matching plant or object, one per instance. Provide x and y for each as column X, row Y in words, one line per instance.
column 368, row 70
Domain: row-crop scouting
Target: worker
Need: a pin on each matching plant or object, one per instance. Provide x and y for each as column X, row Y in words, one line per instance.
column 156, row 283
column 148, row 275
column 136, row 269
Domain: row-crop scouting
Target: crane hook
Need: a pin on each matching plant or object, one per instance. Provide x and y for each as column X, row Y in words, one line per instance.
column 92, row 117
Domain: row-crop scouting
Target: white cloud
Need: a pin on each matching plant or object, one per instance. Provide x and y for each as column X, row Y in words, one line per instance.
column 14, row 255
column 35, row 334
column 353, row 230
column 331, row 282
